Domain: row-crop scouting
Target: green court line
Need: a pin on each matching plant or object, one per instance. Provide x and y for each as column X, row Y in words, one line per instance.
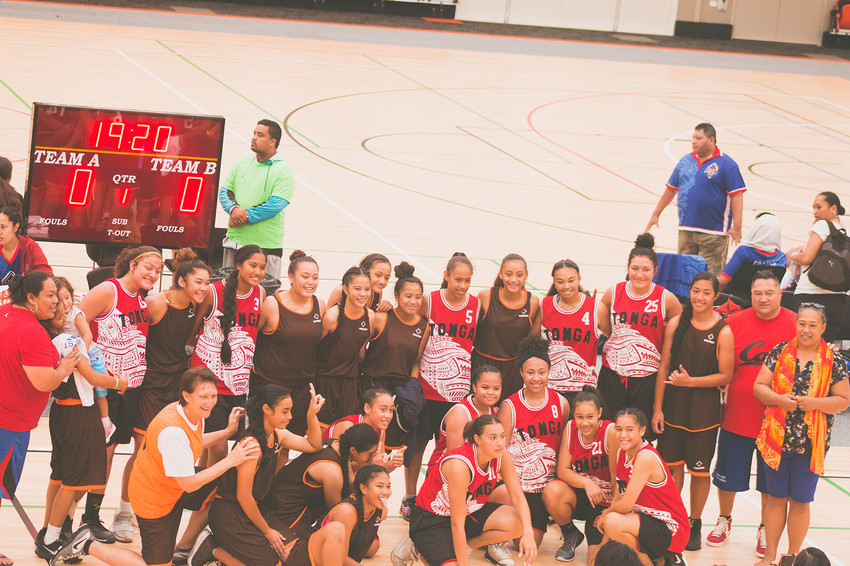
column 233, row 90
column 18, row 96
column 835, row 485
column 806, row 100
column 457, row 103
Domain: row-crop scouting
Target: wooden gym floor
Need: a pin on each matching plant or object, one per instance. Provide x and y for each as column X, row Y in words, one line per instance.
column 418, row 144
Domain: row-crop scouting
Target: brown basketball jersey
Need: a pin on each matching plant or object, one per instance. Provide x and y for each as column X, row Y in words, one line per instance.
column 338, row 354
column 391, row 355
column 502, row 329
column 263, row 478
column 166, row 347
column 295, row 497
column 287, row 356
column 695, row 408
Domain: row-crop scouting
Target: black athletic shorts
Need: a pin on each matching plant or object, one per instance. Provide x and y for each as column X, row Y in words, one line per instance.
column 78, row 459
column 653, row 536
column 154, row 399
column 695, row 449
column 430, row 418
column 432, row 534
column 637, row 392
column 123, row 410
column 159, row 535
column 221, row 413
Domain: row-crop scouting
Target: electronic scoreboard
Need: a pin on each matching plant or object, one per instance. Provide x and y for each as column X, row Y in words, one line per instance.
column 100, row 175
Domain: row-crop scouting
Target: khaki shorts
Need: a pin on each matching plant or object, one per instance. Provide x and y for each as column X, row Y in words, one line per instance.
column 713, row 247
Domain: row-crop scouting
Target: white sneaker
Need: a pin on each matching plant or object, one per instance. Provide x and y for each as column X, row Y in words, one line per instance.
column 499, row 554
column 405, row 553
column 124, row 526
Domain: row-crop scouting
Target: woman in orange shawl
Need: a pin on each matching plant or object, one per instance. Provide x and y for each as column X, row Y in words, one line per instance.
column 802, row 383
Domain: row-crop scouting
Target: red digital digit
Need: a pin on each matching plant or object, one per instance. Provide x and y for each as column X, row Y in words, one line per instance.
column 140, row 137
column 81, row 182
column 120, row 134
column 99, row 130
column 163, row 136
column 191, row 194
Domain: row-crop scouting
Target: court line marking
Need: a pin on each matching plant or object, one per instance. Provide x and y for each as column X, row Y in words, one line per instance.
column 447, row 31
column 467, row 108
column 530, row 121
column 18, row 96
column 764, row 145
column 310, row 186
column 804, row 98
column 835, row 561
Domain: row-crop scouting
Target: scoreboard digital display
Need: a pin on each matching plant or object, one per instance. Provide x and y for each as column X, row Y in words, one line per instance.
column 101, row 175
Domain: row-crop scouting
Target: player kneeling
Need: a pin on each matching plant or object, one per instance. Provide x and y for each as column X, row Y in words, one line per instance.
column 453, row 503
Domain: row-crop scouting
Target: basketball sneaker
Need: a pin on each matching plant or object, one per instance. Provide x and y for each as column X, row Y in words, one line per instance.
column 720, row 532
column 572, row 538
column 499, row 554
column 761, row 542
column 404, row 554
column 407, row 504
column 124, row 526
column 74, row 548
column 695, row 538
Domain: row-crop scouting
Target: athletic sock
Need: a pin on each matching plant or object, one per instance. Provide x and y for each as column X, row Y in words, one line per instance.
column 124, row 507
column 567, row 529
column 409, row 496
column 93, row 503
column 52, row 534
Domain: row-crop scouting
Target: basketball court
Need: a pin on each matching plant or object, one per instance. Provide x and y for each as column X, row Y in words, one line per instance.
column 418, row 143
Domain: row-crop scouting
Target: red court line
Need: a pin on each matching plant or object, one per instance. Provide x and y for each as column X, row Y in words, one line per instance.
column 15, row 110
column 529, row 119
column 442, row 20
column 373, row 26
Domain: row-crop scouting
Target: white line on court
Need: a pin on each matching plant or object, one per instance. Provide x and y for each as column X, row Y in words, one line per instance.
column 552, row 78
column 835, row 561
column 328, row 199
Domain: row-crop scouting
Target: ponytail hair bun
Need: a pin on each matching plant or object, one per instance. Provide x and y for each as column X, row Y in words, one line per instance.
column 404, row 274
column 457, row 257
column 296, row 254
column 298, row 257
column 404, row 270
column 645, row 240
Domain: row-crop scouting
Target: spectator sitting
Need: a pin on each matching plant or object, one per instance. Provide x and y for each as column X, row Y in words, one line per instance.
column 615, row 553
column 8, row 195
column 18, row 254
column 760, row 246
column 811, row 557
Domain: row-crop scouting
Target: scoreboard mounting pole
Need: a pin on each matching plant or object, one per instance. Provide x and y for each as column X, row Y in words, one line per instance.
column 102, row 175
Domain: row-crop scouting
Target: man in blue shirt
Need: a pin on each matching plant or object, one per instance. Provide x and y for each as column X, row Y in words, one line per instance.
column 710, row 193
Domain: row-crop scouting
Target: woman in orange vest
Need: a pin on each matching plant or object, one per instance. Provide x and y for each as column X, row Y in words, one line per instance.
column 164, row 480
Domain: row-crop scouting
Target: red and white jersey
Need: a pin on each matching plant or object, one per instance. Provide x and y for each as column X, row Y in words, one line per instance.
column 637, row 331
column 573, row 336
column 535, row 439
column 468, row 407
column 661, row 500
column 444, row 369
column 353, row 419
column 433, row 496
column 122, row 334
column 233, row 378
column 591, row 460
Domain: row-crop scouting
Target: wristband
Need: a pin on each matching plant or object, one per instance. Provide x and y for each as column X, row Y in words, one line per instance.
column 116, row 383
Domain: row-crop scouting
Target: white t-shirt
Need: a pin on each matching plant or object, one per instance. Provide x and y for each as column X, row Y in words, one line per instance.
column 71, row 324
column 804, row 286
column 177, row 458
column 65, row 344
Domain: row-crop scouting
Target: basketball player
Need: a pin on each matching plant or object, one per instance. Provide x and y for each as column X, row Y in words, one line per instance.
column 698, row 358
column 633, row 314
column 226, row 344
column 534, row 419
column 395, row 349
column 346, row 328
column 118, row 316
column 444, row 369
column 569, row 321
column 286, row 345
column 379, row 269
column 509, row 314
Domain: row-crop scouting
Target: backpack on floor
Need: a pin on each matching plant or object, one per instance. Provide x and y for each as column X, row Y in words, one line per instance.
column 831, row 268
